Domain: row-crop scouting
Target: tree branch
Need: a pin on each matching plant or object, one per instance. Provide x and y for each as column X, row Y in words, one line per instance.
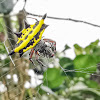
column 68, row 19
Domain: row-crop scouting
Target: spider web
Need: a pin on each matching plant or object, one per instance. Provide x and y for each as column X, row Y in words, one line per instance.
column 14, row 68
column 64, row 70
column 47, row 60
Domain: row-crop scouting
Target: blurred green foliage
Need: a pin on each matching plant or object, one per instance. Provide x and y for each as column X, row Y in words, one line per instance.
column 84, row 64
column 53, row 78
column 79, row 79
column 2, row 48
column 6, row 6
column 1, row 25
column 74, row 82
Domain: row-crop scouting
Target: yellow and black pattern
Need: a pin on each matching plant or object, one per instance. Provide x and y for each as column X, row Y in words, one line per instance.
column 30, row 36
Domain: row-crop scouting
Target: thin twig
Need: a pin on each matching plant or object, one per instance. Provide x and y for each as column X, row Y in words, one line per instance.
column 56, row 18
column 68, row 19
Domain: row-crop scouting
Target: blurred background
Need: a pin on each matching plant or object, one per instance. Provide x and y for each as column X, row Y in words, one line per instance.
column 74, row 72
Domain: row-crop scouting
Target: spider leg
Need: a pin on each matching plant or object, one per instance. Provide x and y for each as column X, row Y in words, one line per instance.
column 49, row 40
column 30, row 58
column 37, row 59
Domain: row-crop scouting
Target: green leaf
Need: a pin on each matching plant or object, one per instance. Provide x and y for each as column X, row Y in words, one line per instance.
column 66, row 48
column 88, row 49
column 57, row 82
column 85, row 64
column 51, row 73
column 92, row 46
column 65, row 62
column 92, row 84
column 2, row 48
column 95, row 43
column 78, row 49
column 53, row 78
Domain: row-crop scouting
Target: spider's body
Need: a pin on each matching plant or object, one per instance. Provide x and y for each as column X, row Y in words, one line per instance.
column 30, row 36
column 45, row 47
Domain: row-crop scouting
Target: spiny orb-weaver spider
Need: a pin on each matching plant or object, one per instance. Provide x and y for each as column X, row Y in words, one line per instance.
column 31, row 38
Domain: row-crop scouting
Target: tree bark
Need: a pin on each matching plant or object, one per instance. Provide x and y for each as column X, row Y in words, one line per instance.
column 9, row 31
